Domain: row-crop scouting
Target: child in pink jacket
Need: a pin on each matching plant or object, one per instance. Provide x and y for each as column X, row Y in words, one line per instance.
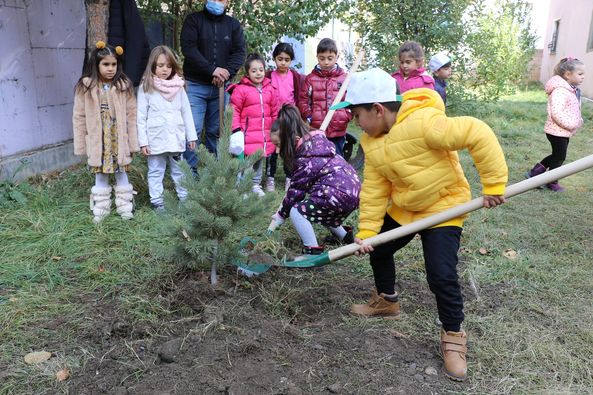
column 411, row 73
column 564, row 115
column 255, row 108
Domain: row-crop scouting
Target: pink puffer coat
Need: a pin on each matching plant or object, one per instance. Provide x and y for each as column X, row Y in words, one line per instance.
column 418, row 78
column 564, row 109
column 254, row 111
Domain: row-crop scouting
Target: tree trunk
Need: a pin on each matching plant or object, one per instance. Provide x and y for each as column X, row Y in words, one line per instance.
column 97, row 17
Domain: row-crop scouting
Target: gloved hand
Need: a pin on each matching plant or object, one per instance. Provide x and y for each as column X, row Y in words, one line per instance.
column 277, row 220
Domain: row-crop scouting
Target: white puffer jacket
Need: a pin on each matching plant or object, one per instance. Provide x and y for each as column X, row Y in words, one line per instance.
column 164, row 126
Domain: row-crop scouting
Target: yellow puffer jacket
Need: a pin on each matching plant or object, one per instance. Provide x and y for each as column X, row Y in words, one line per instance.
column 413, row 171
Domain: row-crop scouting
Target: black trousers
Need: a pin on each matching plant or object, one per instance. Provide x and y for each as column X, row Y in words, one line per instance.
column 272, row 165
column 559, row 148
column 440, row 247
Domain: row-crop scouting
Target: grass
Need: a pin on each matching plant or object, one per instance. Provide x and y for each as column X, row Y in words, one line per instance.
column 530, row 318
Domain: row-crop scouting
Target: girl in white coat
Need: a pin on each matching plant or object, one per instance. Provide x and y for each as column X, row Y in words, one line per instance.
column 165, row 122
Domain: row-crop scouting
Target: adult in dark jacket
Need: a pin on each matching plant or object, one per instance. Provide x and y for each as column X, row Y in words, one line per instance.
column 127, row 29
column 213, row 45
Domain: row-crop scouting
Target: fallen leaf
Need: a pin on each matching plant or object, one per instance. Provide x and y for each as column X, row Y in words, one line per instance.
column 510, row 254
column 101, row 269
column 33, row 358
column 184, row 233
column 397, row 334
column 483, row 251
column 56, row 258
column 63, row 375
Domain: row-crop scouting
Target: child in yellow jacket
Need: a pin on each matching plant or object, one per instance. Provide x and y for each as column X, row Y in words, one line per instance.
column 412, row 171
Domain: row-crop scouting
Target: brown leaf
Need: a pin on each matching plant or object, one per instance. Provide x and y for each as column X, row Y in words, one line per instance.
column 36, row 357
column 510, row 254
column 63, row 375
column 101, row 269
column 483, row 251
column 397, row 334
column 56, row 258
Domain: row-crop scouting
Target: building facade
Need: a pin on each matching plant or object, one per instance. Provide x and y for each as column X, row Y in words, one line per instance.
column 43, row 44
column 569, row 32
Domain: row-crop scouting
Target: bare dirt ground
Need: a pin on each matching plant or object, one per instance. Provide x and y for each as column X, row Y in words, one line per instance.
column 288, row 332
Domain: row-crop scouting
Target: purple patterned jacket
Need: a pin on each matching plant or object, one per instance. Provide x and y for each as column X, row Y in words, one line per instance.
column 326, row 177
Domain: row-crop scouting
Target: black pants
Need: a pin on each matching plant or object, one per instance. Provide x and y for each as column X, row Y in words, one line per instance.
column 272, row 165
column 559, row 148
column 440, row 246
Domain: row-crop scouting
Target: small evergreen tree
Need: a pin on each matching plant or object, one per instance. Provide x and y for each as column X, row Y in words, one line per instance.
column 219, row 211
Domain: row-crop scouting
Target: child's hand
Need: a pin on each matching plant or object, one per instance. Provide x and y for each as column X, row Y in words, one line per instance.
column 364, row 249
column 191, row 145
column 145, row 150
column 493, row 200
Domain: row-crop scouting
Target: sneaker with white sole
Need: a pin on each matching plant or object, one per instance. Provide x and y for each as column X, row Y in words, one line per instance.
column 270, row 187
column 257, row 189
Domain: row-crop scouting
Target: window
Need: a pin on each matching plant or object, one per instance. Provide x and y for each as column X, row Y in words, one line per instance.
column 590, row 41
column 552, row 44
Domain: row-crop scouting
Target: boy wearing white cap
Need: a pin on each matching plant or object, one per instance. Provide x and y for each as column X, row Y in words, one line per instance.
column 412, row 171
column 440, row 65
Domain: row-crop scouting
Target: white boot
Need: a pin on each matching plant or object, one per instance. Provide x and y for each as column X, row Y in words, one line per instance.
column 100, row 203
column 124, row 200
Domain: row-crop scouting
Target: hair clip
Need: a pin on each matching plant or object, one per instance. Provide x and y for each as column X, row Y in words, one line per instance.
column 119, row 50
column 100, row 44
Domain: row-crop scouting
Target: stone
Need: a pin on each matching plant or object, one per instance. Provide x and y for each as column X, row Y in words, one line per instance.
column 168, row 351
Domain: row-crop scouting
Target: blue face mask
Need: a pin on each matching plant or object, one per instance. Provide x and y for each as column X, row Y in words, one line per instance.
column 214, row 8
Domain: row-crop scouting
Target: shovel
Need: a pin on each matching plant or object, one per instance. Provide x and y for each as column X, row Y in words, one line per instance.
column 414, row 227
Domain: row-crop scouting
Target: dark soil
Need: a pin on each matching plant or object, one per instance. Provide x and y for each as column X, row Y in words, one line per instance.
column 285, row 332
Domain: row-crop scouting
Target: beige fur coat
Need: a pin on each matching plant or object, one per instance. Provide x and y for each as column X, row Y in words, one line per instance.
column 86, row 120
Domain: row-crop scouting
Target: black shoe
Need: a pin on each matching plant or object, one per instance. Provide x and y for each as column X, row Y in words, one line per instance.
column 348, row 238
column 313, row 250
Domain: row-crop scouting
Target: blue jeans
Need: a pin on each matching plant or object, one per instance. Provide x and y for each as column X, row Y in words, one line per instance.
column 203, row 99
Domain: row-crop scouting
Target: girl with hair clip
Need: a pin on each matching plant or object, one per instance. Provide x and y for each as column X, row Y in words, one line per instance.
column 165, row 122
column 564, row 115
column 411, row 73
column 324, row 188
column 288, row 83
column 255, row 107
column 104, row 124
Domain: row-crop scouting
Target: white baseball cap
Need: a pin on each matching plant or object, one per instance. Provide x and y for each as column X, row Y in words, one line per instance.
column 370, row 86
column 438, row 61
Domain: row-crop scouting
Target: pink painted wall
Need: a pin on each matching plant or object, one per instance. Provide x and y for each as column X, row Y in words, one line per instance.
column 573, row 38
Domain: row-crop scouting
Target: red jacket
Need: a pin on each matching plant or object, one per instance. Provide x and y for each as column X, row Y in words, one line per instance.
column 254, row 111
column 318, row 93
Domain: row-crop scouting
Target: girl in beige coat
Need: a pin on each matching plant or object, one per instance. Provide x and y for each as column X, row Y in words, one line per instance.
column 104, row 123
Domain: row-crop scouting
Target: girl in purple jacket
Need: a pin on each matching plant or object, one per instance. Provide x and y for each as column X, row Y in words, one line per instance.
column 324, row 188
column 255, row 107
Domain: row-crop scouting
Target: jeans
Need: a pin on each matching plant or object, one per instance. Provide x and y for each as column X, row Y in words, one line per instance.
column 156, row 172
column 203, row 99
column 440, row 246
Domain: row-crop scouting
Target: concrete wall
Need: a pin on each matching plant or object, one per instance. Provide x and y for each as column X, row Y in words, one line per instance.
column 43, row 45
column 573, row 37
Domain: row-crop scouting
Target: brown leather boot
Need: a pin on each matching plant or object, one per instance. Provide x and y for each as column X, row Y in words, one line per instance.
column 453, row 348
column 385, row 306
